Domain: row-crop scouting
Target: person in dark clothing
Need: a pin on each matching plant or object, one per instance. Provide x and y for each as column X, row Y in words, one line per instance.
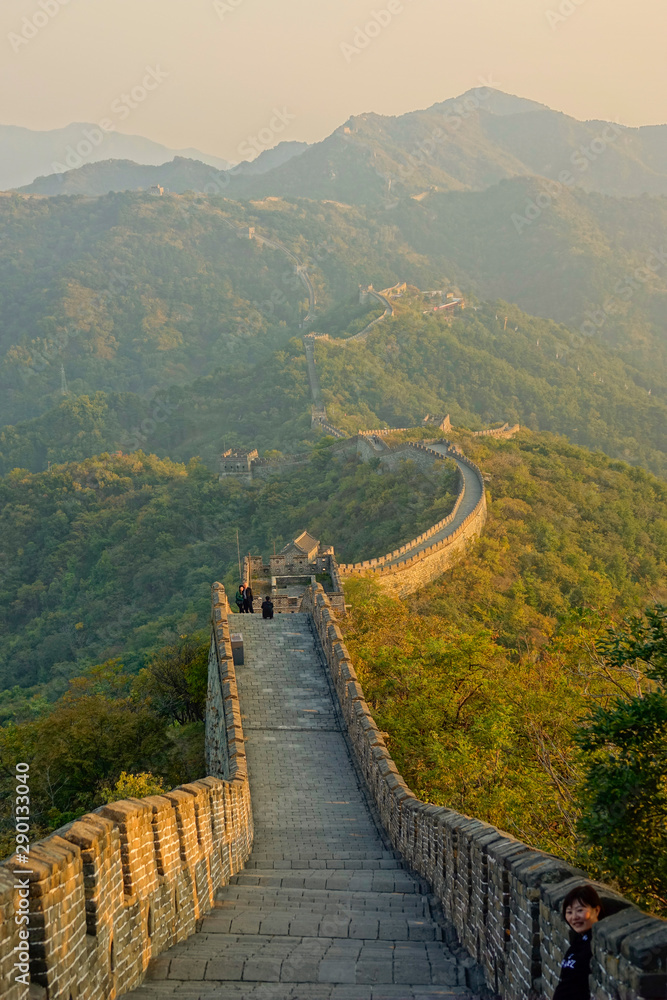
column 267, row 607
column 581, row 908
column 239, row 600
column 247, row 601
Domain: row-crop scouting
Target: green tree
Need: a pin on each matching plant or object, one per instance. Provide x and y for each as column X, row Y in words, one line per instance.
column 624, row 794
column 136, row 786
column 176, row 682
column 96, row 731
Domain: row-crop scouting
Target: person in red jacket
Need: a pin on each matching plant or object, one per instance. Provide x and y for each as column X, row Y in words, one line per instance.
column 581, row 908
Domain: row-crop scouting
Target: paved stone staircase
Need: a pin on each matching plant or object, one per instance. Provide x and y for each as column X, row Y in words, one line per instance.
column 323, row 910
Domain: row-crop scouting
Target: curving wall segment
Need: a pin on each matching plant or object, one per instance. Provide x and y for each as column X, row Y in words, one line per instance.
column 432, row 553
column 388, row 311
column 502, row 898
column 105, row 894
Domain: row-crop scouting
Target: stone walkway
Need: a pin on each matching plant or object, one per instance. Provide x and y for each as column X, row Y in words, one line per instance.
column 323, row 910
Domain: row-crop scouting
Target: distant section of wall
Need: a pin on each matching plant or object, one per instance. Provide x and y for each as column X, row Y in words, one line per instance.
column 384, row 431
column 499, row 432
column 116, row 888
column 382, row 298
column 329, row 428
column 503, row 898
column 349, row 569
column 371, row 446
column 264, row 468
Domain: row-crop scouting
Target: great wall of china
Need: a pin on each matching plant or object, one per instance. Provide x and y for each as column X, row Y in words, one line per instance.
column 342, row 886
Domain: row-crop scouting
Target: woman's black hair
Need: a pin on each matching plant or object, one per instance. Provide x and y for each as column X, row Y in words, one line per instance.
column 585, row 894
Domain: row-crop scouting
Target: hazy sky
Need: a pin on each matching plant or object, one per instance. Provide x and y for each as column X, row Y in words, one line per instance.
column 230, row 63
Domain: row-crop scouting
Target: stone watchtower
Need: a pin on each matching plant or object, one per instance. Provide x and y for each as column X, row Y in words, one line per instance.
column 301, row 563
column 238, row 464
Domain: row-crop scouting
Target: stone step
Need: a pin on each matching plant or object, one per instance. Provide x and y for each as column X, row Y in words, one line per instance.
column 274, row 959
column 300, row 922
column 298, row 844
column 350, row 864
column 378, row 898
column 325, row 910
column 388, row 904
column 296, row 856
column 165, row 990
column 343, row 880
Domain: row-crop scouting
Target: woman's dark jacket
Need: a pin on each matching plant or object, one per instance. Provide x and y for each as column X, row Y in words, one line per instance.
column 575, row 969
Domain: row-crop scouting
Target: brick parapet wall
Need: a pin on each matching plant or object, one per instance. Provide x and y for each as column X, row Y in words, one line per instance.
column 263, row 468
column 499, row 432
column 347, row 569
column 502, row 897
column 330, row 429
column 405, row 576
column 116, row 888
column 388, row 311
column 385, row 431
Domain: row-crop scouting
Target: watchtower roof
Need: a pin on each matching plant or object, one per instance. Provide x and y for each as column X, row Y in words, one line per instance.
column 305, row 543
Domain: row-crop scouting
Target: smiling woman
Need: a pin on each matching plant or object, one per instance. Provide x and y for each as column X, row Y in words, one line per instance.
column 581, row 908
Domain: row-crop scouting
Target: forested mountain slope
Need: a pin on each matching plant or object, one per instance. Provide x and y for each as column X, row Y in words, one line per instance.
column 130, row 294
column 114, row 556
column 479, row 368
column 135, row 294
column 495, row 363
column 481, row 684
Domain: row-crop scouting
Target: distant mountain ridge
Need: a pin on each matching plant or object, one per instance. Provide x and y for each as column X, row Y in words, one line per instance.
column 178, row 176
column 26, row 154
column 464, row 144
column 95, row 179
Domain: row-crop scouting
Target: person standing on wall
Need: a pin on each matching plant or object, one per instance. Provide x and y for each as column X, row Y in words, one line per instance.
column 581, row 908
column 247, row 601
column 239, row 600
